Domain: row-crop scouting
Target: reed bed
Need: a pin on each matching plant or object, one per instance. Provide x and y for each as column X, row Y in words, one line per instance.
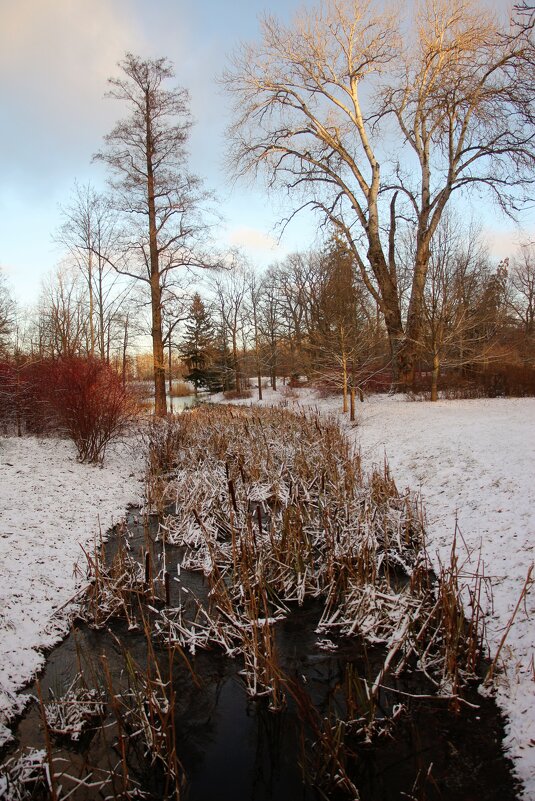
column 25, row 776
column 272, row 507
column 69, row 715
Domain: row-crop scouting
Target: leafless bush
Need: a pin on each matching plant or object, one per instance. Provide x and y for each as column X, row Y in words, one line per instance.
column 81, row 397
column 91, row 405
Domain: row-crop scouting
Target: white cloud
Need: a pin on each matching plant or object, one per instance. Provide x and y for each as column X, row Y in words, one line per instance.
column 505, row 242
column 252, row 239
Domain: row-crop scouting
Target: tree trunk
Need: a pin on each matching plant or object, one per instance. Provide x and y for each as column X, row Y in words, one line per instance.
column 170, row 363
column 102, row 347
column 91, row 302
column 412, row 340
column 236, row 363
column 344, row 384
column 125, row 346
column 273, row 370
column 160, row 403
column 434, row 377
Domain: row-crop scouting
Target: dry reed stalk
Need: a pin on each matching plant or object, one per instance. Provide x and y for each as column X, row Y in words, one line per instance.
column 273, row 508
column 48, row 745
column 523, row 594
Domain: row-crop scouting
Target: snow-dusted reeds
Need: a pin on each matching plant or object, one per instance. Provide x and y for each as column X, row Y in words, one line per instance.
column 271, row 506
column 144, row 719
column 118, row 586
column 24, row 776
column 70, row 714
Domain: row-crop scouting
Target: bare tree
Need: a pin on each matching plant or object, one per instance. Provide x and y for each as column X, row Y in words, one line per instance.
column 253, row 300
column 63, row 319
column 270, row 322
column 230, row 291
column 7, row 313
column 522, row 278
column 89, row 232
column 451, row 334
column 334, row 105
column 298, row 278
column 159, row 201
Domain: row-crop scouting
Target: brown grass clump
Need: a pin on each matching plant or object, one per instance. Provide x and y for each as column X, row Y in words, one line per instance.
column 180, row 389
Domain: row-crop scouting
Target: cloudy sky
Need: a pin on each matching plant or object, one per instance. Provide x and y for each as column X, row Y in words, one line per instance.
column 55, row 57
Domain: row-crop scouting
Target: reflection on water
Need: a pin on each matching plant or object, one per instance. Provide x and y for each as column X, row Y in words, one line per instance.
column 175, row 405
column 233, row 748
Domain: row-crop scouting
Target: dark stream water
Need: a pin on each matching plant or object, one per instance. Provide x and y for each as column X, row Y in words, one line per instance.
column 234, row 748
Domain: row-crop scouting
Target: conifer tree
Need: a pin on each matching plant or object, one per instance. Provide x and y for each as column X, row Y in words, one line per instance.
column 198, row 344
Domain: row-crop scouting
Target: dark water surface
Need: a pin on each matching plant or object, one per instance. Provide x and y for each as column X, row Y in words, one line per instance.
column 234, row 748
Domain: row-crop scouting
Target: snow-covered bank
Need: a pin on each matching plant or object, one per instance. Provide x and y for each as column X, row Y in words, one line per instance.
column 472, row 461
column 50, row 507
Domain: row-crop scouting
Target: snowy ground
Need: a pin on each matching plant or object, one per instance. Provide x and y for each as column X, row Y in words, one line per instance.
column 50, row 506
column 473, row 461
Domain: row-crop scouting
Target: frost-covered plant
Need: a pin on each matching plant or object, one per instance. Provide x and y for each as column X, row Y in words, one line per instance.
column 69, row 715
column 272, row 507
column 115, row 587
column 24, row 776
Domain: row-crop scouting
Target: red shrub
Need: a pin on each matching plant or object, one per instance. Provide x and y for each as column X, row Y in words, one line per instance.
column 22, row 407
column 88, row 402
column 83, row 398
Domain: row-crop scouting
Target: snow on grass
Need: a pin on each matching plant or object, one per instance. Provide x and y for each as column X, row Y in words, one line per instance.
column 473, row 461
column 50, row 506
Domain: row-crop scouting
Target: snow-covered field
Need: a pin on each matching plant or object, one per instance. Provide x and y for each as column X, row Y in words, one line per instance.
column 50, row 506
column 473, row 461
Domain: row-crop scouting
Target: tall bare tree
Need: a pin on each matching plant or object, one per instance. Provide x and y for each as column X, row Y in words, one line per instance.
column 63, row 315
column 7, row 312
column 89, row 232
column 451, row 332
column 159, row 200
column 522, row 278
column 376, row 128
column 230, row 293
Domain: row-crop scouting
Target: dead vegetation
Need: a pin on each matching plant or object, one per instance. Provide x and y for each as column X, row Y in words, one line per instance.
column 272, row 509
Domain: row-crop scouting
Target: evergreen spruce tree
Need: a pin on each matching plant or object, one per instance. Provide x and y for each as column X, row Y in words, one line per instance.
column 197, row 347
